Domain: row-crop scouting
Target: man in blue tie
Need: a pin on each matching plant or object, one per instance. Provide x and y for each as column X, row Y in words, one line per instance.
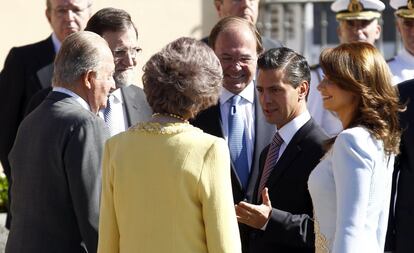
column 280, row 215
column 238, row 116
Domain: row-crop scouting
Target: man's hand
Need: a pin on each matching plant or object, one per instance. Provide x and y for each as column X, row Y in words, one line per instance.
column 254, row 215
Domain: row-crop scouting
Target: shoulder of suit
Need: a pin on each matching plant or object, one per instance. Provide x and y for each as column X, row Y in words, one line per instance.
column 46, row 43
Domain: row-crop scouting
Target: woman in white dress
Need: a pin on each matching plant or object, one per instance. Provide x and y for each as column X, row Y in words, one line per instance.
column 351, row 186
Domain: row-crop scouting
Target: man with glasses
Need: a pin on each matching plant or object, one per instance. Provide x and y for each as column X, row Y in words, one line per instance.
column 127, row 104
column 247, row 9
column 358, row 21
column 402, row 65
column 29, row 68
column 238, row 116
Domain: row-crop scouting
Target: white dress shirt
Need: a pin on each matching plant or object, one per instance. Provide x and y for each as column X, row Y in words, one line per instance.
column 78, row 99
column 247, row 105
column 402, row 67
column 289, row 130
column 324, row 118
column 350, row 190
column 119, row 120
column 56, row 43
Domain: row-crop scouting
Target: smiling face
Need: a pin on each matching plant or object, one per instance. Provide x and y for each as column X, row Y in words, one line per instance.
column 280, row 101
column 123, row 45
column 68, row 16
column 359, row 30
column 338, row 100
column 236, row 49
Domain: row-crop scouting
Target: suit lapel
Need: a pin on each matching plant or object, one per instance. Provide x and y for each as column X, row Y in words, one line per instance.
column 45, row 76
column 289, row 155
column 135, row 105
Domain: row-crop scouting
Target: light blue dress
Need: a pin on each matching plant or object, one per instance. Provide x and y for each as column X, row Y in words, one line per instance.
column 350, row 190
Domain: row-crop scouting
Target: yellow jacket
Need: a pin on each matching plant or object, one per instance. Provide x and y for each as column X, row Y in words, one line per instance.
column 166, row 188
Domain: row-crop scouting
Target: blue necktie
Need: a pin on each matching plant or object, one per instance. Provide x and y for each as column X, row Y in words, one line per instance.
column 237, row 141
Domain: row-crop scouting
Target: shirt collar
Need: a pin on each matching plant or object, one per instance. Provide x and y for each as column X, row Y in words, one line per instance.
column 75, row 96
column 56, row 43
column 289, row 130
column 247, row 94
column 117, row 96
column 406, row 56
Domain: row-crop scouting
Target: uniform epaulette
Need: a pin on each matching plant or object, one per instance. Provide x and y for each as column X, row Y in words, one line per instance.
column 390, row 60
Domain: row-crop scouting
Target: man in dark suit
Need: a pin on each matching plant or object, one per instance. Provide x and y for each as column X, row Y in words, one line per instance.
column 281, row 213
column 237, row 44
column 401, row 223
column 56, row 158
column 29, row 68
column 127, row 102
column 247, row 9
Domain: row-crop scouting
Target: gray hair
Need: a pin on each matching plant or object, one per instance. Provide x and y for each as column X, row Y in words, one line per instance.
column 183, row 78
column 80, row 53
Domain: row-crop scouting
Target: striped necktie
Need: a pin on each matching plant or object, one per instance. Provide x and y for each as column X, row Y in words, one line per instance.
column 108, row 113
column 237, row 141
column 270, row 163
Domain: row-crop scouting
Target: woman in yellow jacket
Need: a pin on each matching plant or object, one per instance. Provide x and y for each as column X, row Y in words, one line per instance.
column 166, row 184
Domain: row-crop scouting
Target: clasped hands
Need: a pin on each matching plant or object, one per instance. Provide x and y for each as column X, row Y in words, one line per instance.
column 255, row 216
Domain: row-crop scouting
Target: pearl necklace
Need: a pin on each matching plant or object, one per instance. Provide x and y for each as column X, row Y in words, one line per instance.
column 170, row 115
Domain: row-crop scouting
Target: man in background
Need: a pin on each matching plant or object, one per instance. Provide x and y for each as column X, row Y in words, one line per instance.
column 402, row 65
column 247, row 9
column 358, row 21
column 56, row 157
column 127, row 104
column 29, row 68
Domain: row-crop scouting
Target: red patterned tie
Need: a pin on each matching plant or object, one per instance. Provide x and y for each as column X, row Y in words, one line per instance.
column 270, row 163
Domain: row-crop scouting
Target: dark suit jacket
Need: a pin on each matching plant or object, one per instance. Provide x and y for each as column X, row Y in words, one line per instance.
column 136, row 105
column 290, row 228
column 401, row 223
column 26, row 70
column 56, row 161
column 209, row 121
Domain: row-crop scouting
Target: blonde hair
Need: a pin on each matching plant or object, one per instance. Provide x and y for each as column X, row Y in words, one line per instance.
column 360, row 68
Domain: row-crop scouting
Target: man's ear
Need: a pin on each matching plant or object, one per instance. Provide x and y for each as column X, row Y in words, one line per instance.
column 48, row 15
column 217, row 4
column 87, row 78
column 303, row 89
column 378, row 33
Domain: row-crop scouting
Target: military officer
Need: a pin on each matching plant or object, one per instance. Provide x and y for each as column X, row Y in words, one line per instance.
column 358, row 20
column 402, row 65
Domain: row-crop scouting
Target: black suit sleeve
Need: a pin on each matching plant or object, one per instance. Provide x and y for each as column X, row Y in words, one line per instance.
column 293, row 229
column 12, row 79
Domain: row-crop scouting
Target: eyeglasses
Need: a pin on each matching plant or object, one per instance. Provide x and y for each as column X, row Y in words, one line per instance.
column 62, row 11
column 123, row 52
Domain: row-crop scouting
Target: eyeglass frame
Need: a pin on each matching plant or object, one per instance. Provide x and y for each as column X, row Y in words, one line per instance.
column 121, row 53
